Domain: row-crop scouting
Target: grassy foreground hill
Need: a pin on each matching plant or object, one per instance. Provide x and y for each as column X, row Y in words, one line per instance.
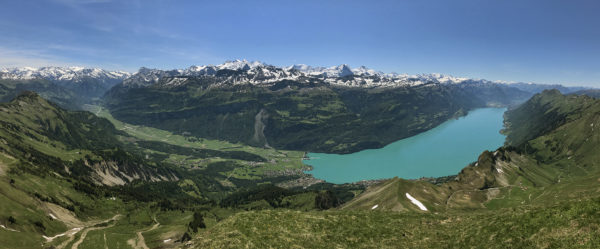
column 569, row 225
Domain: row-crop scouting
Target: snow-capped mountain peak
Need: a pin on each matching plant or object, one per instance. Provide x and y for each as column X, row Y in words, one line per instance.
column 335, row 71
column 339, row 71
column 362, row 70
column 240, row 65
column 258, row 73
column 74, row 74
column 441, row 78
column 83, row 82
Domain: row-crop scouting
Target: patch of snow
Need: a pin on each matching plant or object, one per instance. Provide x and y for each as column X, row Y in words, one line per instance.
column 73, row 232
column 52, row 216
column 6, row 228
column 166, row 241
column 416, row 202
column 499, row 170
column 374, row 207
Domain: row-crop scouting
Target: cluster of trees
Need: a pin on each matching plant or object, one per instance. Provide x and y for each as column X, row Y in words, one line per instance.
column 326, row 200
column 200, row 153
column 274, row 196
column 193, row 226
column 267, row 192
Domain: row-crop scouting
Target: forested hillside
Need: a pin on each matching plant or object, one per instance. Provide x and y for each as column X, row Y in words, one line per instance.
column 309, row 116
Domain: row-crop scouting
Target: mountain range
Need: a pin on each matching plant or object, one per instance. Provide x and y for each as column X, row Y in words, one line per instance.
column 255, row 73
column 58, row 74
column 333, row 110
column 324, row 109
column 70, row 87
column 258, row 73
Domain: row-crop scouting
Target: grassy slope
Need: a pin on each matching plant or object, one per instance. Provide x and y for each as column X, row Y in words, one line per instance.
column 32, row 199
column 570, row 225
column 38, row 143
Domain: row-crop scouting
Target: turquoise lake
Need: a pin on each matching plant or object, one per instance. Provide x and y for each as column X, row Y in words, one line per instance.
column 441, row 151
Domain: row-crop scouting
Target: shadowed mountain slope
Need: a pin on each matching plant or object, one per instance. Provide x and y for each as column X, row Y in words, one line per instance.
column 308, row 115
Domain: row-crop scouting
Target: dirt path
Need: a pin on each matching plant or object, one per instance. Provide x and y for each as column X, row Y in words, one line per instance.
column 71, row 233
column 140, row 242
column 3, row 166
column 83, row 235
column 105, row 245
column 71, row 237
column 87, row 230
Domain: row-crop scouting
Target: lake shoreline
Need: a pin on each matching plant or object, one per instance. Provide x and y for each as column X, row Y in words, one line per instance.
column 456, row 142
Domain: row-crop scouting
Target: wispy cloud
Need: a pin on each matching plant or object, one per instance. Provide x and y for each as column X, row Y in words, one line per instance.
column 52, row 48
column 11, row 58
column 114, row 21
column 80, row 2
column 29, row 58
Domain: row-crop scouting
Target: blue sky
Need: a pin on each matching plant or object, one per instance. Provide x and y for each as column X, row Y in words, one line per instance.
column 531, row 41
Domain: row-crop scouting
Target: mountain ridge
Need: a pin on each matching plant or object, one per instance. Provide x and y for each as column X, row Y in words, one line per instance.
column 85, row 84
column 257, row 73
column 306, row 114
column 261, row 73
column 74, row 74
column 30, row 124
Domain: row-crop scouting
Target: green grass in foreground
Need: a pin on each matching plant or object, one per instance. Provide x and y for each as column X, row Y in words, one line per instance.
column 569, row 225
